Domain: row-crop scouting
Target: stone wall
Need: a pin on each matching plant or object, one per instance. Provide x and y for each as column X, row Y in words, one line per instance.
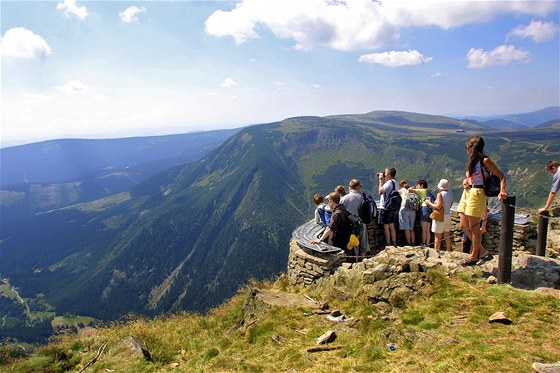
column 524, row 235
column 308, row 266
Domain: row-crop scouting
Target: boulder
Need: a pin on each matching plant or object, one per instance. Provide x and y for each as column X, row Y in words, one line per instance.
column 131, row 347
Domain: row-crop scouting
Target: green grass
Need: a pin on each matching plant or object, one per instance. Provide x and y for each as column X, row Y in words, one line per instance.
column 426, row 333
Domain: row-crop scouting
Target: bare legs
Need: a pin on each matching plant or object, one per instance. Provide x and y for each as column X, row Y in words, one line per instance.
column 447, row 237
column 390, row 233
column 410, row 237
column 437, row 241
column 471, row 226
column 426, row 235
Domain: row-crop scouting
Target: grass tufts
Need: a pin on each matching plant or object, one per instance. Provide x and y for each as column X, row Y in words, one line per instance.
column 445, row 329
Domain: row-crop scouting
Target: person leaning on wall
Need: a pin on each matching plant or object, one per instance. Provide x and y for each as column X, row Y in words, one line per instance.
column 552, row 167
column 473, row 201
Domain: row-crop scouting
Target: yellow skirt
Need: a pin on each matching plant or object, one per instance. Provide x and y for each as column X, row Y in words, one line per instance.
column 473, row 202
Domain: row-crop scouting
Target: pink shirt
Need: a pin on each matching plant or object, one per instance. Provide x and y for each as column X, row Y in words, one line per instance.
column 476, row 177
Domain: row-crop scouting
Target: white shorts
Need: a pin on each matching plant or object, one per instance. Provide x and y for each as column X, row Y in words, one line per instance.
column 442, row 226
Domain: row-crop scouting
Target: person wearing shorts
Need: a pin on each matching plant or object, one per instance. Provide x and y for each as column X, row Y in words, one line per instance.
column 444, row 200
column 387, row 217
column 424, row 212
column 473, row 201
column 407, row 218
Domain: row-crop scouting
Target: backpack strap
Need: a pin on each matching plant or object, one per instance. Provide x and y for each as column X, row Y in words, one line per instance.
column 483, row 169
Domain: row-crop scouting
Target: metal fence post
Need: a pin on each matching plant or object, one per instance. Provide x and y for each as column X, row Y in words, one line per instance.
column 542, row 233
column 506, row 240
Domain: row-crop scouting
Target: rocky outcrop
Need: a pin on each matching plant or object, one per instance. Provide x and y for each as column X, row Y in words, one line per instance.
column 398, row 274
column 532, row 272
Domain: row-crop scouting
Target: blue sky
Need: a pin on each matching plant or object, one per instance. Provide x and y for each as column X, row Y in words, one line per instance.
column 98, row 69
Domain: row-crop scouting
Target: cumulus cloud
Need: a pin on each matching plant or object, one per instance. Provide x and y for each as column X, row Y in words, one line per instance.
column 20, row 42
column 129, row 15
column 71, row 7
column 355, row 24
column 229, row 83
column 73, row 87
column 537, row 30
column 499, row 56
column 395, row 58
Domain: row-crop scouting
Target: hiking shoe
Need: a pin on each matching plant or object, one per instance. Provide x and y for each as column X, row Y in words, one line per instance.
column 546, row 368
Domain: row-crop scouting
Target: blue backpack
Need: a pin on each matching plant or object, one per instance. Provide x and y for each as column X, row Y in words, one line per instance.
column 393, row 200
column 324, row 215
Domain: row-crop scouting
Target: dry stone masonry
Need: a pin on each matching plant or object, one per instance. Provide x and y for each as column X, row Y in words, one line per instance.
column 306, row 266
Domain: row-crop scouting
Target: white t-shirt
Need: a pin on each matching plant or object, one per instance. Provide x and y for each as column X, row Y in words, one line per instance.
column 555, row 182
column 385, row 189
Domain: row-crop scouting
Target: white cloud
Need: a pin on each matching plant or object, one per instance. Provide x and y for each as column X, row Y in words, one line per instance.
column 73, row 87
column 20, row 42
column 355, row 24
column 229, row 83
column 499, row 56
column 439, row 74
column 395, row 58
column 129, row 15
column 537, row 30
column 70, row 7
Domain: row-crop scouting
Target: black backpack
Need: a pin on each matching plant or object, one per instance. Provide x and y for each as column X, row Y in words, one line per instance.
column 393, row 200
column 356, row 224
column 368, row 209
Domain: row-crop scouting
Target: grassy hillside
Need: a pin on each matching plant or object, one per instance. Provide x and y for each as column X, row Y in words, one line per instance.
column 445, row 330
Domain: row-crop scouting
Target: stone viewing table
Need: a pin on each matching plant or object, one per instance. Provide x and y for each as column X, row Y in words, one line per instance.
column 310, row 231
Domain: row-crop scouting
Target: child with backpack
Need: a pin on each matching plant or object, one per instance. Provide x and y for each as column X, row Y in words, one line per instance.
column 322, row 211
column 340, row 227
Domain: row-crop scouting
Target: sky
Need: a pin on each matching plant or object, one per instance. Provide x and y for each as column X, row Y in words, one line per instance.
column 103, row 69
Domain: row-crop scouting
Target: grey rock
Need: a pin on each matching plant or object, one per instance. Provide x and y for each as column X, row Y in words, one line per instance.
column 546, row 368
column 499, row 317
column 133, row 347
column 326, row 337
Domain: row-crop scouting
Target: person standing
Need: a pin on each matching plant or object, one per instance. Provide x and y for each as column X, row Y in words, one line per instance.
column 340, row 190
column 387, row 217
column 424, row 212
column 407, row 215
column 444, row 200
column 473, row 201
column 552, row 167
column 339, row 225
column 353, row 201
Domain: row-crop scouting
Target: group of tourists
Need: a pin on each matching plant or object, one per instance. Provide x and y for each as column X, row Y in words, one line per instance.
column 334, row 215
column 404, row 205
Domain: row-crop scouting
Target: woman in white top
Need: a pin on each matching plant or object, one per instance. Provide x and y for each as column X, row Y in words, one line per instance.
column 444, row 200
column 407, row 218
